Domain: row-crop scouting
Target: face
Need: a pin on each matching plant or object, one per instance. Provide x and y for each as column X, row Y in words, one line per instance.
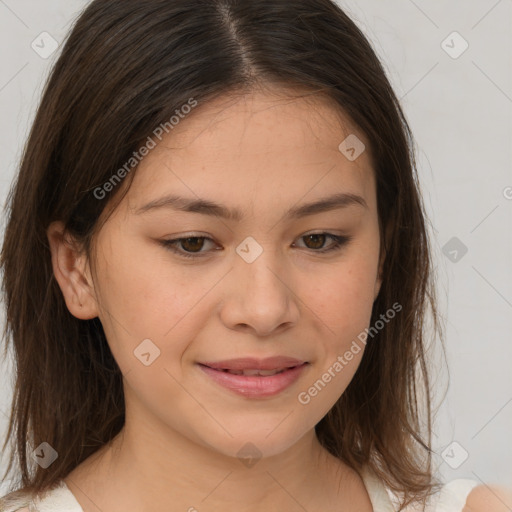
column 175, row 289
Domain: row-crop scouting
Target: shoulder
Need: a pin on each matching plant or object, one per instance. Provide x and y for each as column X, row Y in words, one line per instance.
column 466, row 495
column 57, row 498
column 16, row 501
column 10, row 503
column 485, row 498
column 459, row 495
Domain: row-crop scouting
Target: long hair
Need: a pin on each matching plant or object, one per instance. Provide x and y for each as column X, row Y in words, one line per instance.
column 125, row 68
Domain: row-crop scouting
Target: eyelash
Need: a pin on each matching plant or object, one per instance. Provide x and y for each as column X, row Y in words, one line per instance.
column 339, row 242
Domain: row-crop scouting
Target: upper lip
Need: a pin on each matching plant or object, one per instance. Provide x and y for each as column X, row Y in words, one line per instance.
column 252, row 363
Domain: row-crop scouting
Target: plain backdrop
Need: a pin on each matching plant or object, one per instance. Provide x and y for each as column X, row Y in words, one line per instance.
column 451, row 65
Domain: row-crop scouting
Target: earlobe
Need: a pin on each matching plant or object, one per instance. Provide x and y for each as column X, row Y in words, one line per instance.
column 71, row 271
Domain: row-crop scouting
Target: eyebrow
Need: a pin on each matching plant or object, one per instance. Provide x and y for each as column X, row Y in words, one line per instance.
column 206, row 207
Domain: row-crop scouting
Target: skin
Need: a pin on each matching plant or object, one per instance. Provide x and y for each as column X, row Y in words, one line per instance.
column 262, row 153
column 489, row 498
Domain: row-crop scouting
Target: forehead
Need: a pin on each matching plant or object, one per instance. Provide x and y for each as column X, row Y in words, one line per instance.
column 258, row 147
column 250, row 123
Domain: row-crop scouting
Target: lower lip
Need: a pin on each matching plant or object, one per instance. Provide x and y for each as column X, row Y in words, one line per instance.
column 255, row 386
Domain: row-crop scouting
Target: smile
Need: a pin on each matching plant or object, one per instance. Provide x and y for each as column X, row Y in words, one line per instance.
column 255, row 383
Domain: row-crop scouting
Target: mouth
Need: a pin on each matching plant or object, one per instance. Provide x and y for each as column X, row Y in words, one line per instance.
column 255, row 382
column 259, row 373
column 274, row 363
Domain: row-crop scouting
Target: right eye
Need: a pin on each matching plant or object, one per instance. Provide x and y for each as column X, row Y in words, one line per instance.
column 193, row 243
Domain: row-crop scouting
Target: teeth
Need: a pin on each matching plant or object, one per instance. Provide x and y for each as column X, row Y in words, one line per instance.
column 263, row 373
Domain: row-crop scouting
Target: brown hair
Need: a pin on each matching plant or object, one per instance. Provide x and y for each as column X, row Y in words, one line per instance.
column 125, row 68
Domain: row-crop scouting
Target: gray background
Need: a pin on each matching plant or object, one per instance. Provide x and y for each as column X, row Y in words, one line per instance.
column 460, row 112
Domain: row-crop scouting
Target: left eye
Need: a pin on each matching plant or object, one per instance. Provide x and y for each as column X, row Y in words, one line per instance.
column 192, row 245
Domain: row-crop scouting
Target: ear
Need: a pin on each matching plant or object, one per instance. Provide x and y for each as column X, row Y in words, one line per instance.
column 382, row 259
column 72, row 272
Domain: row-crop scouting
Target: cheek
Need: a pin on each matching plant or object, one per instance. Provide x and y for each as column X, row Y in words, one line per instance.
column 342, row 308
column 144, row 297
column 342, row 299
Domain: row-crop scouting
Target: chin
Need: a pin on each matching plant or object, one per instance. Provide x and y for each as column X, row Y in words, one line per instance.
column 252, row 441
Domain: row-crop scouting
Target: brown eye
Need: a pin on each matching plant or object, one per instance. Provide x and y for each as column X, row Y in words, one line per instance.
column 193, row 244
column 317, row 240
column 190, row 246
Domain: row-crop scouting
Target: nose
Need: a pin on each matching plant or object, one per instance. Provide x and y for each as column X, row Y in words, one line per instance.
column 260, row 297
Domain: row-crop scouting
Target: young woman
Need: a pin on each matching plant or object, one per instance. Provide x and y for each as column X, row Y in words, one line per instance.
column 217, row 269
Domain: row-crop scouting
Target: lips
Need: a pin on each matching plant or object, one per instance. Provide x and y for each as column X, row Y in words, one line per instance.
column 260, row 373
column 278, row 363
column 255, row 378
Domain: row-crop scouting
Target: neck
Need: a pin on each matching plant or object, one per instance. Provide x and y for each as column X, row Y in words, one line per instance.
column 150, row 468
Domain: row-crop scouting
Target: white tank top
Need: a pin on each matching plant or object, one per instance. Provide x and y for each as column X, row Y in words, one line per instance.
column 451, row 498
